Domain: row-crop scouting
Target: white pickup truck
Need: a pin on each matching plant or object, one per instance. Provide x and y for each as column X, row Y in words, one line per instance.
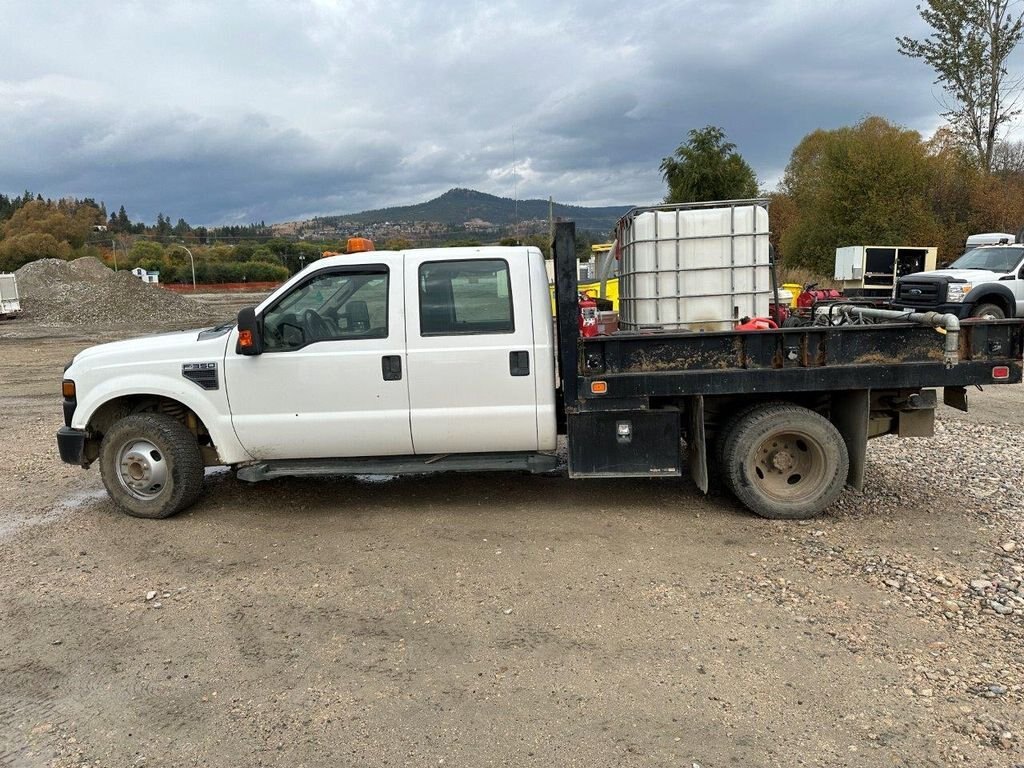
column 445, row 360
column 986, row 282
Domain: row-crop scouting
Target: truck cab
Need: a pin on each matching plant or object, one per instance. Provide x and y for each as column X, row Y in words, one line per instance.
column 986, row 282
column 379, row 354
column 420, row 352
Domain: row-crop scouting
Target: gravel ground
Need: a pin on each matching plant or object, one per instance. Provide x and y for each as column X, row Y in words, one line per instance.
column 509, row 620
column 84, row 293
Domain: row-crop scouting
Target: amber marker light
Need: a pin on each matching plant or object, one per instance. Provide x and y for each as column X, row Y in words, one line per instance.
column 245, row 339
column 67, row 388
column 358, row 245
column 598, row 387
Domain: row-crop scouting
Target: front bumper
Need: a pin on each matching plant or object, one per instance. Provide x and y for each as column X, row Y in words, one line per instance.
column 961, row 310
column 71, row 444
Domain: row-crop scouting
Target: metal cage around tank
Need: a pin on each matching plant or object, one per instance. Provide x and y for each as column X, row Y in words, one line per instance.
column 694, row 266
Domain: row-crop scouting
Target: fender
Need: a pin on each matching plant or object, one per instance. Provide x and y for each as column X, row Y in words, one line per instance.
column 210, row 406
column 988, row 292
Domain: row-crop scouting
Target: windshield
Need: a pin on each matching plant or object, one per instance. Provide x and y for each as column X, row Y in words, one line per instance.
column 1001, row 259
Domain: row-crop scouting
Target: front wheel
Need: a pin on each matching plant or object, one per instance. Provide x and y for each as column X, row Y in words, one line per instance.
column 151, row 465
column 785, row 462
column 988, row 312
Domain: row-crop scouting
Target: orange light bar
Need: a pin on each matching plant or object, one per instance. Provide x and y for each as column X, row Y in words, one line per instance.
column 359, row 244
column 67, row 388
column 598, row 387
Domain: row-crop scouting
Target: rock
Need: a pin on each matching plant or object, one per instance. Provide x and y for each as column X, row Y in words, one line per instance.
column 158, row 605
column 151, row 594
column 507, row 611
column 980, row 585
column 1008, row 546
column 1002, row 610
column 952, row 606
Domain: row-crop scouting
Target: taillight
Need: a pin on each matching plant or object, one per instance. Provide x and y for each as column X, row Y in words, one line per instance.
column 1001, row 372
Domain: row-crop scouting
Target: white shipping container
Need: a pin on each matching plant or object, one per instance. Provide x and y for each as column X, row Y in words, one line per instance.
column 694, row 268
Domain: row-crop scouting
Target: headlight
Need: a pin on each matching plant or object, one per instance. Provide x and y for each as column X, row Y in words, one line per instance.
column 955, row 292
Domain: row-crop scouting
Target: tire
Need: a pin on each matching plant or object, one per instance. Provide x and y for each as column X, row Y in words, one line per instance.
column 988, row 311
column 717, row 458
column 785, row 462
column 151, row 465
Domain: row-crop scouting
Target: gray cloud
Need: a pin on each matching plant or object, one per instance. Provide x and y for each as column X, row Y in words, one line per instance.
column 241, row 111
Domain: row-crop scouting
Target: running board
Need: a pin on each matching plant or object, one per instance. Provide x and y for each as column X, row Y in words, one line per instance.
column 537, row 463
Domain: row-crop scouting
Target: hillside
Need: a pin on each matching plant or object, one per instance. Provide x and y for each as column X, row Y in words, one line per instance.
column 457, row 206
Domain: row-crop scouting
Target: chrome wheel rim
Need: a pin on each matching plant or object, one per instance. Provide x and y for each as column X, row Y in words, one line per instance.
column 142, row 469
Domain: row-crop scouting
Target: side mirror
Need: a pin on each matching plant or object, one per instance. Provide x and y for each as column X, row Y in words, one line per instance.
column 250, row 340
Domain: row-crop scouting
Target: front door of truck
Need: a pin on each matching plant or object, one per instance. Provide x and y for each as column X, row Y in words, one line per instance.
column 472, row 367
column 331, row 381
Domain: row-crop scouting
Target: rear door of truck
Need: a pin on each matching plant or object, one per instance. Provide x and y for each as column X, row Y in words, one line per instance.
column 471, row 351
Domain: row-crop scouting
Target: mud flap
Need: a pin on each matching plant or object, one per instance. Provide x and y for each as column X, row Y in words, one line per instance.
column 696, row 445
column 851, row 411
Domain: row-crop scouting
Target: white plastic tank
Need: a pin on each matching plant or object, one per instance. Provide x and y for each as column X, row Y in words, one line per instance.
column 694, row 266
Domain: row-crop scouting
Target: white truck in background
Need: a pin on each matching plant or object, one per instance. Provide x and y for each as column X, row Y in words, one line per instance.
column 10, row 302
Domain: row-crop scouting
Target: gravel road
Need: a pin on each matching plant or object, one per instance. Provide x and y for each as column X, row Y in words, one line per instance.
column 509, row 620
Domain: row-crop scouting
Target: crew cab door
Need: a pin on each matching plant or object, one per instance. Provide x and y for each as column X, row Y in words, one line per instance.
column 331, row 380
column 471, row 352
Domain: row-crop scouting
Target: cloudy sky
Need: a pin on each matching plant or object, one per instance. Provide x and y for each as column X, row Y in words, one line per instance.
column 231, row 111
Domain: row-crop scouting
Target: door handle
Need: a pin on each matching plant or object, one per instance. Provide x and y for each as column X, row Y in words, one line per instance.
column 391, row 367
column 519, row 363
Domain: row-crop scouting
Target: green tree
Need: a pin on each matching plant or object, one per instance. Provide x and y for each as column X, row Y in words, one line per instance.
column 869, row 184
column 970, row 43
column 707, row 167
column 21, row 249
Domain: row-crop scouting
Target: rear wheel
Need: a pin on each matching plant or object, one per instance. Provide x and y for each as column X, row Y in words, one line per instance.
column 785, row 462
column 988, row 312
column 151, row 465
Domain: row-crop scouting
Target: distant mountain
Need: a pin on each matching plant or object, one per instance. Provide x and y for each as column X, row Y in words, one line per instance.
column 458, row 206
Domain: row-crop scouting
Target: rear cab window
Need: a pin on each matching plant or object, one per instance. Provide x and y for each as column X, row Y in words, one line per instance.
column 466, row 297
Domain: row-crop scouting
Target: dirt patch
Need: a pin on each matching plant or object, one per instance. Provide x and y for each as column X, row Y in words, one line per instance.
column 508, row 620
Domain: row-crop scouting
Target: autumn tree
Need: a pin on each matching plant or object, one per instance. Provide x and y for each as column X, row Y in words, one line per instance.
column 707, row 167
column 868, row 184
column 968, row 48
column 46, row 229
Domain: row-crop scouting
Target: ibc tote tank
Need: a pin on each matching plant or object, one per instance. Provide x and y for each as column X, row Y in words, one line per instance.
column 694, row 266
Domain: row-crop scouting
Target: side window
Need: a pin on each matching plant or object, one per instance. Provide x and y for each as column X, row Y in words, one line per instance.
column 331, row 306
column 465, row 297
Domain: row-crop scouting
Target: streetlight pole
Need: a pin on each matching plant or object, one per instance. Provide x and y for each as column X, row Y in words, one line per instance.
column 193, row 261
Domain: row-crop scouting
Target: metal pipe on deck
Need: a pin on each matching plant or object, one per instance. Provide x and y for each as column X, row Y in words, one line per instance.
column 949, row 322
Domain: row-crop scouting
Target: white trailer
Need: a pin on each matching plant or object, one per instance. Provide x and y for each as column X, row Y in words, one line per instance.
column 10, row 303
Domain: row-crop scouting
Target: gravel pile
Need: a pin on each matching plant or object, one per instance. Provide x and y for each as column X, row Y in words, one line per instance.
column 63, row 293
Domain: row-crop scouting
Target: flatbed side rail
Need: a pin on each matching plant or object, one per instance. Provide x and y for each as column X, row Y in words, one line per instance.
column 885, row 355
